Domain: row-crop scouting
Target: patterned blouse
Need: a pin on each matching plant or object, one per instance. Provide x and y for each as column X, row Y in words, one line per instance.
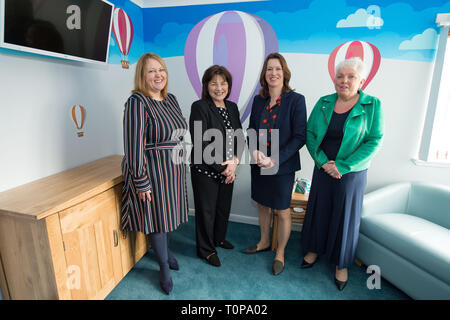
column 268, row 120
column 229, row 156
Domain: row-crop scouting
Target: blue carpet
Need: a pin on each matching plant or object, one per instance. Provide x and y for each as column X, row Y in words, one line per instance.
column 244, row 277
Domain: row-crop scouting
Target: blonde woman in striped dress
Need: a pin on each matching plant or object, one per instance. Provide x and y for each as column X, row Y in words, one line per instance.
column 154, row 198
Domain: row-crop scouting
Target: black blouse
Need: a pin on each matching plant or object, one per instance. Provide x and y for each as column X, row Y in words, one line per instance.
column 269, row 117
column 335, row 132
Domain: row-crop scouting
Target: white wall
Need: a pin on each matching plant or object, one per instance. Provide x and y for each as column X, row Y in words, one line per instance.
column 37, row 134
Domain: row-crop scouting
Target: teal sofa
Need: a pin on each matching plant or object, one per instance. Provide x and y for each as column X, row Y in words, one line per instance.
column 405, row 230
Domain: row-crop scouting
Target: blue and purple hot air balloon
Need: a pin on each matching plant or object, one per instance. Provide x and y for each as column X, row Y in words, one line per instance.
column 236, row 40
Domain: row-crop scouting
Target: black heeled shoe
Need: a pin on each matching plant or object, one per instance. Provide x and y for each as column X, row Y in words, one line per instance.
column 340, row 284
column 166, row 286
column 306, row 265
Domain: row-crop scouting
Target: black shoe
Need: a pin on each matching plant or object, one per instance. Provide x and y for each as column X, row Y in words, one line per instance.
column 166, row 286
column 340, row 284
column 226, row 244
column 213, row 259
column 253, row 249
column 277, row 267
column 306, row 265
column 173, row 264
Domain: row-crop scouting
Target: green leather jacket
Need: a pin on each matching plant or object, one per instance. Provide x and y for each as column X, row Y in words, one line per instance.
column 363, row 132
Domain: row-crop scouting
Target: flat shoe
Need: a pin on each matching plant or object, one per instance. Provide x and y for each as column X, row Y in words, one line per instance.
column 306, row 265
column 253, row 249
column 213, row 260
column 173, row 264
column 277, row 267
column 226, row 244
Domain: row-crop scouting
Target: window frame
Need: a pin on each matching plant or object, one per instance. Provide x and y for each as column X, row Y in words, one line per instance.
column 424, row 155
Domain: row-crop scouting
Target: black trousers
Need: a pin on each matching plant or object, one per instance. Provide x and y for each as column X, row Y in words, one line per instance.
column 212, row 201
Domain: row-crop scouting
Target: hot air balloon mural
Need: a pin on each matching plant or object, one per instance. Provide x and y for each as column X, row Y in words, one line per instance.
column 368, row 53
column 79, row 116
column 236, row 40
column 123, row 33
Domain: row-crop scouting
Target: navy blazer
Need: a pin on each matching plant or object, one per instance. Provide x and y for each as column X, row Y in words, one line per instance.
column 205, row 110
column 291, row 123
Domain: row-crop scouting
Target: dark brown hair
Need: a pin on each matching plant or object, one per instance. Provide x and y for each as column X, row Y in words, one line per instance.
column 264, row 92
column 209, row 74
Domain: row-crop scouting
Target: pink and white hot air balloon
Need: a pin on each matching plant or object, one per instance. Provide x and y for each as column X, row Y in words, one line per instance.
column 123, row 33
column 368, row 53
column 236, row 40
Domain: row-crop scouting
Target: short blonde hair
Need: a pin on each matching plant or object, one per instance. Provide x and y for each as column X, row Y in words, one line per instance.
column 139, row 75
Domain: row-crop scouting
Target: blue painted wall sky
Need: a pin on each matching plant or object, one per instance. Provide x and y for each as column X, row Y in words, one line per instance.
column 311, row 26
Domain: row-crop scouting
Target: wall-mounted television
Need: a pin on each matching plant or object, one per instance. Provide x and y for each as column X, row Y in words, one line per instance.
column 70, row 29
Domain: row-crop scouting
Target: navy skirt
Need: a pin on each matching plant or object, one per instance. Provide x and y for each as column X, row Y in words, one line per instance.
column 273, row 191
column 333, row 215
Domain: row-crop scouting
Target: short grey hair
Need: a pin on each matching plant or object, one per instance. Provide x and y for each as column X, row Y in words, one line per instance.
column 355, row 63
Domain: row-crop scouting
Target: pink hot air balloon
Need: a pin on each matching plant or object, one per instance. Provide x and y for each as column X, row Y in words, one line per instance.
column 123, row 33
column 368, row 53
column 236, row 40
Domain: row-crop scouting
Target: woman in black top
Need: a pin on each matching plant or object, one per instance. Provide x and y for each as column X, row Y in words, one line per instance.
column 212, row 125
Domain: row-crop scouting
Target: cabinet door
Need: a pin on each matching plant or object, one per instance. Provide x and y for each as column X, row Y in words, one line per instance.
column 133, row 245
column 92, row 250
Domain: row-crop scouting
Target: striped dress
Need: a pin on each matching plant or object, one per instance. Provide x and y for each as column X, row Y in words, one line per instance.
column 154, row 160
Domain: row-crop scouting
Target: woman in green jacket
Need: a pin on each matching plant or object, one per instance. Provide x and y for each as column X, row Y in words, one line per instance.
column 344, row 131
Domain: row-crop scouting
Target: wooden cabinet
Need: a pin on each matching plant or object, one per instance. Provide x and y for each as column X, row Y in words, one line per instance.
column 60, row 236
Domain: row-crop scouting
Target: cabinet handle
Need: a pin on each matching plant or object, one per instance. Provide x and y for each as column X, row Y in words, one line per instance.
column 116, row 238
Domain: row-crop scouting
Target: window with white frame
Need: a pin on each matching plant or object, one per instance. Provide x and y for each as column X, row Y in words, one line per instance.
column 435, row 146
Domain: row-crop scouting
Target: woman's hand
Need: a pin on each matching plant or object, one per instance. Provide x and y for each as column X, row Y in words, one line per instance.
column 145, row 196
column 230, row 170
column 332, row 170
column 262, row 161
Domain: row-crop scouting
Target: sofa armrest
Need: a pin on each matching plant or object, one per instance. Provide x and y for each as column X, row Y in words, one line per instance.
column 431, row 202
column 389, row 199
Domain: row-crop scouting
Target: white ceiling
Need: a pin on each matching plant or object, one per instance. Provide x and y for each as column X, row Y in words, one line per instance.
column 180, row 3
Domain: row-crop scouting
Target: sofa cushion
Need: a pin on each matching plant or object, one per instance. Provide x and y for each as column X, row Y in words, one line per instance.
column 423, row 243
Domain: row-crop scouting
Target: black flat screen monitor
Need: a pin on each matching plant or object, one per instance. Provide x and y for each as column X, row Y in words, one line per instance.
column 71, row 29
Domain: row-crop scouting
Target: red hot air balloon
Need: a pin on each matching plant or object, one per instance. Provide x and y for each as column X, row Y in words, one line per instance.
column 123, row 33
column 368, row 53
column 78, row 116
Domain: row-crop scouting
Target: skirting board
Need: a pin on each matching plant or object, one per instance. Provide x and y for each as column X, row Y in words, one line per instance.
column 250, row 220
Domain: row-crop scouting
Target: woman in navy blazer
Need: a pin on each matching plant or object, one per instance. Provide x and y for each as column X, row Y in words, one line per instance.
column 213, row 179
column 278, row 120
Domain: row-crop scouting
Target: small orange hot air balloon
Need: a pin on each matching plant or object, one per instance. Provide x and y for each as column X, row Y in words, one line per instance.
column 78, row 116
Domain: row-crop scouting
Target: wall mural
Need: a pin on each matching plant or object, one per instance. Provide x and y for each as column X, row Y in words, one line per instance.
column 79, row 117
column 122, row 28
column 368, row 53
column 234, row 39
column 404, row 29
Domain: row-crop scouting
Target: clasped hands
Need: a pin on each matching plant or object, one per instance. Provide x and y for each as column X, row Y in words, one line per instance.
column 331, row 169
column 230, row 170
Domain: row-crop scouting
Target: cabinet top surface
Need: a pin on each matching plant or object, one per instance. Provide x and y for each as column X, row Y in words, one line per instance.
column 49, row 195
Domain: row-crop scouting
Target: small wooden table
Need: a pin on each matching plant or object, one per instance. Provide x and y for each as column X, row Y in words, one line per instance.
column 298, row 200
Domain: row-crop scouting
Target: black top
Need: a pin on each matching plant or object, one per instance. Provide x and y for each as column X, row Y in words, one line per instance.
column 226, row 120
column 335, row 132
column 268, row 121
